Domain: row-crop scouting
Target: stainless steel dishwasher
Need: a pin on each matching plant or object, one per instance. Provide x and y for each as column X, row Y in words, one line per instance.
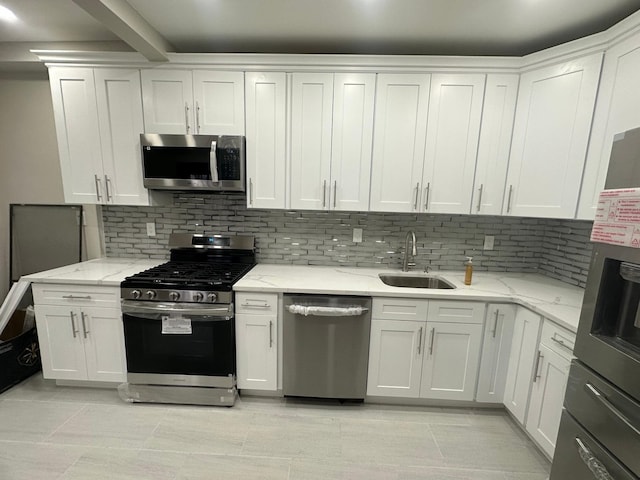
column 326, row 346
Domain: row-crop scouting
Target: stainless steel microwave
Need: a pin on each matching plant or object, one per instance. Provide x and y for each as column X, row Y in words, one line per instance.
column 193, row 162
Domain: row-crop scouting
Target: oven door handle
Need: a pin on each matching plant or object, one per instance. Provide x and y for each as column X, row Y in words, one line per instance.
column 132, row 307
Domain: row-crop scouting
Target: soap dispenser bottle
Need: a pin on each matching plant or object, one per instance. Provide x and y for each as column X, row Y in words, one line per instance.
column 468, row 271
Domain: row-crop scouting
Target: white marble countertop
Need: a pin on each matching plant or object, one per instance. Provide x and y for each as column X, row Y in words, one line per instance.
column 551, row 298
column 100, row 271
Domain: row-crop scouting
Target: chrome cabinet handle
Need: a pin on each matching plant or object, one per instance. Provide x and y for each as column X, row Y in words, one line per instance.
column 197, row 117
column 107, row 183
column 77, row 297
column 335, row 192
column 480, row 197
column 538, row 360
column 415, row 202
column 255, row 305
column 186, row 116
column 594, row 465
column 324, row 194
column 509, row 198
column 98, row 188
column 84, row 325
column 433, row 335
column 420, row 341
column 561, row 343
column 73, row 325
column 495, row 323
column 427, row 191
column 598, row 395
column 270, row 333
column 250, row 192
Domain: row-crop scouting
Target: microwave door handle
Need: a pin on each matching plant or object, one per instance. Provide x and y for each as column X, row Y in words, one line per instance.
column 213, row 162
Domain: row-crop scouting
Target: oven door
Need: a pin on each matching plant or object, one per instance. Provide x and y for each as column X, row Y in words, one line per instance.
column 179, row 344
column 608, row 339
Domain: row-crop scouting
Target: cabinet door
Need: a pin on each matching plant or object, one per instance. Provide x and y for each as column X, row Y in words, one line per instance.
column 395, row 358
column 266, row 108
column 167, row 98
column 550, row 136
column 496, row 347
column 453, row 128
column 119, row 101
column 451, row 359
column 499, row 108
column 257, row 351
column 103, row 336
column 402, row 105
column 61, row 343
column 616, row 111
column 547, row 397
column 353, row 100
column 521, row 363
column 76, row 119
column 219, row 102
column 311, row 110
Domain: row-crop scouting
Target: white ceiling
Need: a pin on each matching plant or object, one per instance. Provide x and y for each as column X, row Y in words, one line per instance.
column 446, row 27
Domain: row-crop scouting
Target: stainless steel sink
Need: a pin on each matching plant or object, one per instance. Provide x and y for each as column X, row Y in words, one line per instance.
column 415, row 281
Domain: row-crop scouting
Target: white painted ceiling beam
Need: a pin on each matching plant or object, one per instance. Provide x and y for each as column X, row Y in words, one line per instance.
column 123, row 20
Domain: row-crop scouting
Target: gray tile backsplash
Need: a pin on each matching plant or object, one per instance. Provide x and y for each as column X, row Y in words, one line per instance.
column 556, row 248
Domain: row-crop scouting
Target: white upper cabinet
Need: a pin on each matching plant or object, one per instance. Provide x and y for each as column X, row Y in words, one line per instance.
column 98, row 117
column 311, row 107
column 500, row 96
column 550, row 136
column 616, row 111
column 353, row 102
column 198, row 102
column 331, row 135
column 453, row 128
column 266, row 110
column 120, row 121
column 401, row 110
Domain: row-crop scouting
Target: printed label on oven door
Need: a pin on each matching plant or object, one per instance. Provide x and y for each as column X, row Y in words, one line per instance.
column 176, row 325
column 617, row 219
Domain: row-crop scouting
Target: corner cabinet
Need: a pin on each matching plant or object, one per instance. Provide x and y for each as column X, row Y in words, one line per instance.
column 424, row 349
column 80, row 332
column 257, row 340
column 550, row 136
column 207, row 102
column 98, row 118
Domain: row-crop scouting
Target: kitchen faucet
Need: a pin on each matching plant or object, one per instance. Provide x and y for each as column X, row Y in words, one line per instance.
column 414, row 250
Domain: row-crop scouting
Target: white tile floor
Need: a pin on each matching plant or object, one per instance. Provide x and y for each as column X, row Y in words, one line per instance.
column 49, row 432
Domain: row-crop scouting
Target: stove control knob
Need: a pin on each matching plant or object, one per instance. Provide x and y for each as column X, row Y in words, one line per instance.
column 212, row 297
column 198, row 296
column 136, row 294
column 174, row 296
column 151, row 294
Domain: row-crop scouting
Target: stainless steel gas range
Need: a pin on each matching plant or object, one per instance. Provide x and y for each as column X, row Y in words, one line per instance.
column 179, row 323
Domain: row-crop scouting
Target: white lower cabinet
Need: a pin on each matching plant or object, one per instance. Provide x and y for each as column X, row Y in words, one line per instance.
column 416, row 357
column 521, row 362
column 496, row 348
column 81, row 343
column 257, row 341
column 549, row 384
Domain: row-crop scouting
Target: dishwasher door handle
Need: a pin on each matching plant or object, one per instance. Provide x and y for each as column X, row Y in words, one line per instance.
column 323, row 311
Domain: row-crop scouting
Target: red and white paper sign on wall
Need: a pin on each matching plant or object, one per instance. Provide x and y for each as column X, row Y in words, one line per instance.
column 618, row 218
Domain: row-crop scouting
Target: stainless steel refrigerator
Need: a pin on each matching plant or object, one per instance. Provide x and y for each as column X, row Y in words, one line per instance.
column 599, row 436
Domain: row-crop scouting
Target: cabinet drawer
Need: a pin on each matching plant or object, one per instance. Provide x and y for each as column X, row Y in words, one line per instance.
column 88, row 295
column 456, row 312
column 256, row 302
column 400, row 309
column 558, row 339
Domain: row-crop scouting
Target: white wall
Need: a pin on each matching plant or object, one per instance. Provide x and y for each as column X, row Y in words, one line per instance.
column 29, row 165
